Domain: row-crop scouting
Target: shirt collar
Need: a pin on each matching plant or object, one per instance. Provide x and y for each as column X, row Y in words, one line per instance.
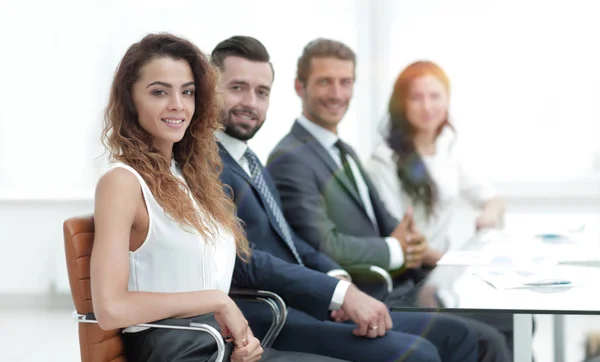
column 324, row 136
column 235, row 147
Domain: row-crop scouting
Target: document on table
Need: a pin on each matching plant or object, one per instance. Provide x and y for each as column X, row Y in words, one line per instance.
column 494, row 258
column 580, row 254
column 526, row 279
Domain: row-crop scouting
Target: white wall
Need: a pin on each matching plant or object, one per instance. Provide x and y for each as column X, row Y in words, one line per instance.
column 62, row 65
column 32, row 257
column 525, row 85
column 525, row 94
column 56, row 79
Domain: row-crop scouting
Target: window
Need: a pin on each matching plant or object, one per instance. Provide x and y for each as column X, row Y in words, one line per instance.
column 56, row 81
column 525, row 81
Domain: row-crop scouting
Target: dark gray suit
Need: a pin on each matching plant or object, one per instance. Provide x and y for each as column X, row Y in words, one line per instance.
column 323, row 207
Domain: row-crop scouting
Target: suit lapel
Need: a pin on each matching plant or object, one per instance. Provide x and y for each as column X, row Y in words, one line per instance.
column 303, row 135
column 232, row 164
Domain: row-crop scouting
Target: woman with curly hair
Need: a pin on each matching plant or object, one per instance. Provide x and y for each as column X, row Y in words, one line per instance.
column 422, row 165
column 166, row 235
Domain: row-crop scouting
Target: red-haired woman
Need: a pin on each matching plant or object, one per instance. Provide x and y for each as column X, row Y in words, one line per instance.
column 422, row 163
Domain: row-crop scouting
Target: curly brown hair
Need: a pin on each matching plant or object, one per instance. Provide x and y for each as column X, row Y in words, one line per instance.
column 197, row 153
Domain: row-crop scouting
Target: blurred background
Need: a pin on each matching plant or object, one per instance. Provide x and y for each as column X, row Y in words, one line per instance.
column 525, row 98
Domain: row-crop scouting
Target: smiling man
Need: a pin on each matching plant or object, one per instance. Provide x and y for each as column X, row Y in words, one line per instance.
column 245, row 104
column 318, row 291
column 329, row 200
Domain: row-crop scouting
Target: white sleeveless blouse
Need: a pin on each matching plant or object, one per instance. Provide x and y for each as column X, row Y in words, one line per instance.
column 174, row 259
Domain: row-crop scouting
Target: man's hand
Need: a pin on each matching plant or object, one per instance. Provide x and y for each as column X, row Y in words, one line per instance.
column 412, row 242
column 371, row 316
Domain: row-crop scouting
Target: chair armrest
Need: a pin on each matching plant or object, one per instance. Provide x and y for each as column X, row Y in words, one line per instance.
column 274, row 301
column 372, row 271
column 372, row 279
column 171, row 324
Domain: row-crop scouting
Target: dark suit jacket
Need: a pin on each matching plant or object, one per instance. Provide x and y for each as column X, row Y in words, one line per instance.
column 321, row 205
column 272, row 266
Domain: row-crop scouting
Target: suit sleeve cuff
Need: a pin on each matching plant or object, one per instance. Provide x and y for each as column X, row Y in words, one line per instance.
column 338, row 295
column 339, row 272
column 396, row 254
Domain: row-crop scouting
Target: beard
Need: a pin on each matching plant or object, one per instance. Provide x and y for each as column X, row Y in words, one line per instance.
column 241, row 132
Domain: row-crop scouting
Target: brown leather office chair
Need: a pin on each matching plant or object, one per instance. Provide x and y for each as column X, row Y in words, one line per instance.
column 97, row 345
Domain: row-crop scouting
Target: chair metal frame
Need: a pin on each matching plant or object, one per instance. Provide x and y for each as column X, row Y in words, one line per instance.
column 199, row 327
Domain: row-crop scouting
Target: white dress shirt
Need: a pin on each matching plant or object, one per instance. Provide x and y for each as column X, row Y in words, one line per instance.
column 327, row 139
column 236, row 149
column 454, row 176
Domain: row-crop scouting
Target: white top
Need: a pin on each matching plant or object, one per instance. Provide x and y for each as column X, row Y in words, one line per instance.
column 173, row 259
column 327, row 139
column 236, row 150
column 453, row 175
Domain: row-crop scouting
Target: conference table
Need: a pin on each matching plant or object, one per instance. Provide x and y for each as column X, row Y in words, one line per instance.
column 536, row 264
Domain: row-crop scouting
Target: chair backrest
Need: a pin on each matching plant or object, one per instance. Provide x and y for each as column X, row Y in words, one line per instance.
column 95, row 344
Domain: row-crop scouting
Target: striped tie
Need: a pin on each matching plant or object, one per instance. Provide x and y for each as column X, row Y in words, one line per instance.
column 261, row 185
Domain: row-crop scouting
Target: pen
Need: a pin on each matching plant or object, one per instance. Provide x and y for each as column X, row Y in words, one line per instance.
column 548, row 282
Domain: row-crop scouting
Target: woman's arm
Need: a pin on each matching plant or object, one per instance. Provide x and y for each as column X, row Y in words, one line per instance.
column 384, row 177
column 492, row 214
column 478, row 190
column 117, row 202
